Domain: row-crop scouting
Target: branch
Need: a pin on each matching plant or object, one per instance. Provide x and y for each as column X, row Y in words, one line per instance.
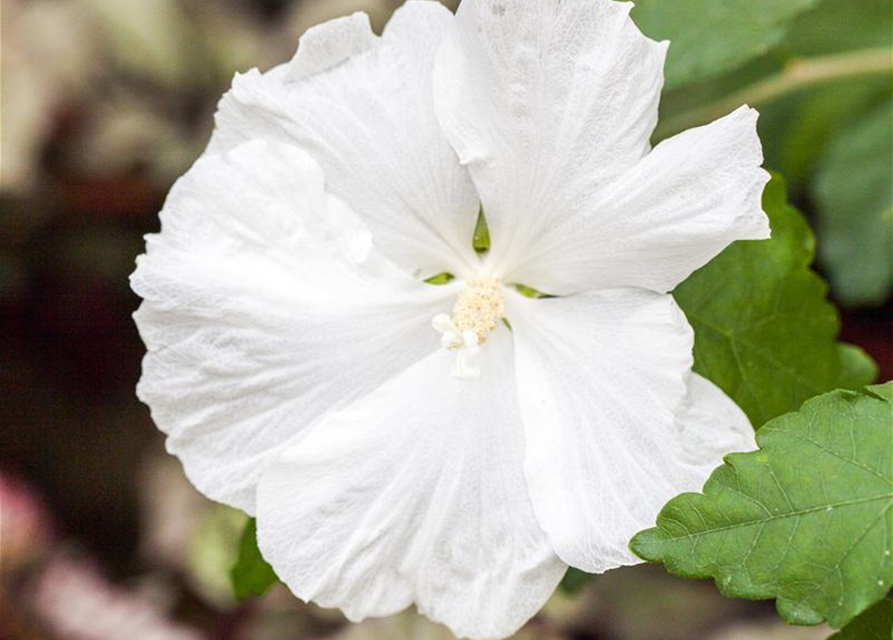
column 798, row 74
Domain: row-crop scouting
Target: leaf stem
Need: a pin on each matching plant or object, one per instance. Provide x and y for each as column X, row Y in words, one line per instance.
column 796, row 75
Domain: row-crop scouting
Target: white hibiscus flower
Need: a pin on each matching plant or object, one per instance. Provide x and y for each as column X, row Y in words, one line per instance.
column 291, row 356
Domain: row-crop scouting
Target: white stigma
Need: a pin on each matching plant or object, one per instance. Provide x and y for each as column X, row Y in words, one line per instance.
column 478, row 309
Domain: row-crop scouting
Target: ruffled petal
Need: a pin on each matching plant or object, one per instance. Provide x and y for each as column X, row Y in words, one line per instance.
column 265, row 305
column 362, row 106
column 711, row 425
column 684, row 203
column 545, row 102
column 601, row 377
column 415, row 493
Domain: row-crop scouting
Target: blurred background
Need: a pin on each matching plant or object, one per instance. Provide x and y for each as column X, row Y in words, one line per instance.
column 104, row 104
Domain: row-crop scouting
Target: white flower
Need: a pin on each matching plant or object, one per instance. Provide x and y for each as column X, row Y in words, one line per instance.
column 292, row 360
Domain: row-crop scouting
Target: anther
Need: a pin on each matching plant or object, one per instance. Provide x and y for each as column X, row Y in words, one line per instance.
column 476, row 313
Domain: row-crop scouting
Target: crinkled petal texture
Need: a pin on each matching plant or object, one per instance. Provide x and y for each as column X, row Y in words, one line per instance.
column 415, row 493
column 362, row 106
column 545, row 101
column 612, row 432
column 265, row 306
column 551, row 105
column 669, row 215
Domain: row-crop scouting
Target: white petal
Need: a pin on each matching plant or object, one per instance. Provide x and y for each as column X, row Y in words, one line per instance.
column 545, row 101
column 711, row 425
column 415, row 493
column 363, row 107
column 329, row 44
column 666, row 217
column 601, row 377
column 265, row 305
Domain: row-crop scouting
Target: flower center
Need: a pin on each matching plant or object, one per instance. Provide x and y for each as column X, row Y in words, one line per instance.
column 479, row 307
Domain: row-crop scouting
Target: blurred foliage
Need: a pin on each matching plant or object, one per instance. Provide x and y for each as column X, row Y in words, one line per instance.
column 874, row 624
column 212, row 546
column 854, row 193
column 708, row 38
column 798, row 127
column 251, row 575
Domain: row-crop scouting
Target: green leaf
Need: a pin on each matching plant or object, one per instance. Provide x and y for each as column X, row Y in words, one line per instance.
column 854, row 193
column 855, row 365
column 764, row 331
column 835, row 26
column 251, row 575
column 574, row 581
column 874, row 624
column 710, row 37
column 797, row 129
column 807, row 519
column 210, row 551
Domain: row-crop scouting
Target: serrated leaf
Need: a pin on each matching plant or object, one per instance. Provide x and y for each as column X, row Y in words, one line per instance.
column 874, row 624
column 807, row 519
column 710, row 37
column 764, row 331
column 251, row 575
column 854, row 192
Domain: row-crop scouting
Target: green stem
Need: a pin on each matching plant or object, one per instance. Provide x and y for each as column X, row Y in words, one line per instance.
column 796, row 75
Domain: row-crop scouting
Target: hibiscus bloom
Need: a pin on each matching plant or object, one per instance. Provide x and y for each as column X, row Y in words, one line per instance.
column 463, row 466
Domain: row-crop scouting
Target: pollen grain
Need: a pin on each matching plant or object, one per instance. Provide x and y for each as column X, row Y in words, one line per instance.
column 479, row 307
